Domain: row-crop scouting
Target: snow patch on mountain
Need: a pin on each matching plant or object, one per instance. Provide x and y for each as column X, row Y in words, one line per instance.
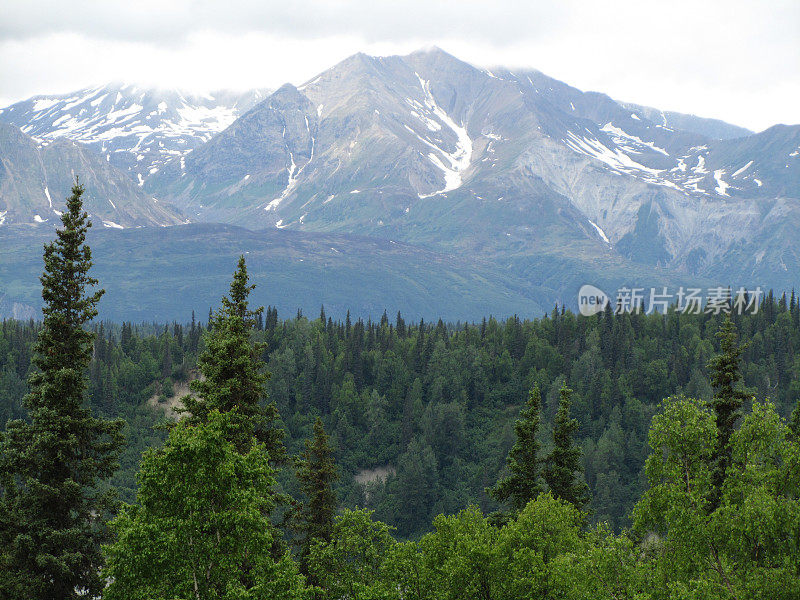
column 289, row 185
column 600, row 232
column 138, row 129
column 621, row 138
column 459, row 160
column 742, row 170
column 722, row 186
column 614, row 158
column 701, row 165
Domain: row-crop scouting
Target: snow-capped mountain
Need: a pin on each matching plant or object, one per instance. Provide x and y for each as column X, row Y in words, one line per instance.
column 36, row 178
column 515, row 166
column 136, row 129
column 548, row 183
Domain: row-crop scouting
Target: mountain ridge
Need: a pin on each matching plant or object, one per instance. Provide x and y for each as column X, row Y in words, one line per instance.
column 548, row 183
column 36, row 177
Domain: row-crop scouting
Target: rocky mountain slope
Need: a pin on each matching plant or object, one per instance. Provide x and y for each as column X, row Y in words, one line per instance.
column 551, row 185
column 511, row 165
column 36, row 178
column 136, row 129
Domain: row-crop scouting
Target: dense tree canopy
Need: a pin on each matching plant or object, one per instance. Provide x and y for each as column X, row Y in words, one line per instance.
column 200, row 526
column 420, row 420
column 433, row 408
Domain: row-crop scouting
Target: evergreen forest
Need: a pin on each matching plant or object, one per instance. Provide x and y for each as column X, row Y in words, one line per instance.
column 245, row 454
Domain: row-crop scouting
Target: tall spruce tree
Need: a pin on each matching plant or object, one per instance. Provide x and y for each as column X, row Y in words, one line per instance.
column 727, row 402
column 522, row 484
column 317, row 473
column 563, row 466
column 52, row 514
column 234, row 375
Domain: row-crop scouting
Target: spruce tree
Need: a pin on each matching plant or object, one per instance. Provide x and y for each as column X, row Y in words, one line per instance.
column 52, row 515
column 234, row 375
column 317, row 473
column 522, row 483
column 727, row 402
column 794, row 422
column 564, row 461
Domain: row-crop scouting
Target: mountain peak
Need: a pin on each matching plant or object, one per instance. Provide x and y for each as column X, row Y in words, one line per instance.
column 430, row 49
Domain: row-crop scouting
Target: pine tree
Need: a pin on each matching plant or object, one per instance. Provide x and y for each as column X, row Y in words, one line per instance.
column 52, row 517
column 564, row 461
column 234, row 373
column 317, row 473
column 727, row 402
column 522, row 484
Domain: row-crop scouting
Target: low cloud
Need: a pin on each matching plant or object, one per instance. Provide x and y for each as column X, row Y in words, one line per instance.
column 733, row 60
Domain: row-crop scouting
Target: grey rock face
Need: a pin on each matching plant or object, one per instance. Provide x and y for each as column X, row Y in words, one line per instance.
column 549, row 183
column 511, row 165
column 35, row 179
column 135, row 129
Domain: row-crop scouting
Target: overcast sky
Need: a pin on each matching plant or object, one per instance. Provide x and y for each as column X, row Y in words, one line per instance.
column 734, row 60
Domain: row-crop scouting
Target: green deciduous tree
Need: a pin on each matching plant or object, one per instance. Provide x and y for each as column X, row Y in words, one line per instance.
column 353, row 563
column 522, row 483
column 461, row 557
column 52, row 512
column 563, row 468
column 672, row 513
column 199, row 530
column 746, row 547
column 536, row 551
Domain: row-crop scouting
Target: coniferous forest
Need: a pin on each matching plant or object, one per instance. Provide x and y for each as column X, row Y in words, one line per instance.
column 244, row 454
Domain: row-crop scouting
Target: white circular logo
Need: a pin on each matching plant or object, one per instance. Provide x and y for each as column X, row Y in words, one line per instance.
column 591, row 300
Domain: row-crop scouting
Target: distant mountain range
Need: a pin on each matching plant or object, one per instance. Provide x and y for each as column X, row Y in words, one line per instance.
column 36, row 177
column 136, row 129
column 546, row 184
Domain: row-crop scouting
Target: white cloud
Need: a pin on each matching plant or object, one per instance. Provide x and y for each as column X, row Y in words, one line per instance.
column 734, row 60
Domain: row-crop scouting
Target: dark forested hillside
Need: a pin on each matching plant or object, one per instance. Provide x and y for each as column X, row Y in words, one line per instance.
column 421, row 415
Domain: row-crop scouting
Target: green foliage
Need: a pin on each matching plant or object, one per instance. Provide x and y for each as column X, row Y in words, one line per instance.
column 727, row 402
column 794, row 422
column 233, row 372
column 380, row 387
column 563, row 467
column 353, row 563
column 52, row 509
column 316, row 473
column 435, row 408
column 537, row 549
column 460, row 556
column 522, row 484
column 199, row 528
column 746, row 547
